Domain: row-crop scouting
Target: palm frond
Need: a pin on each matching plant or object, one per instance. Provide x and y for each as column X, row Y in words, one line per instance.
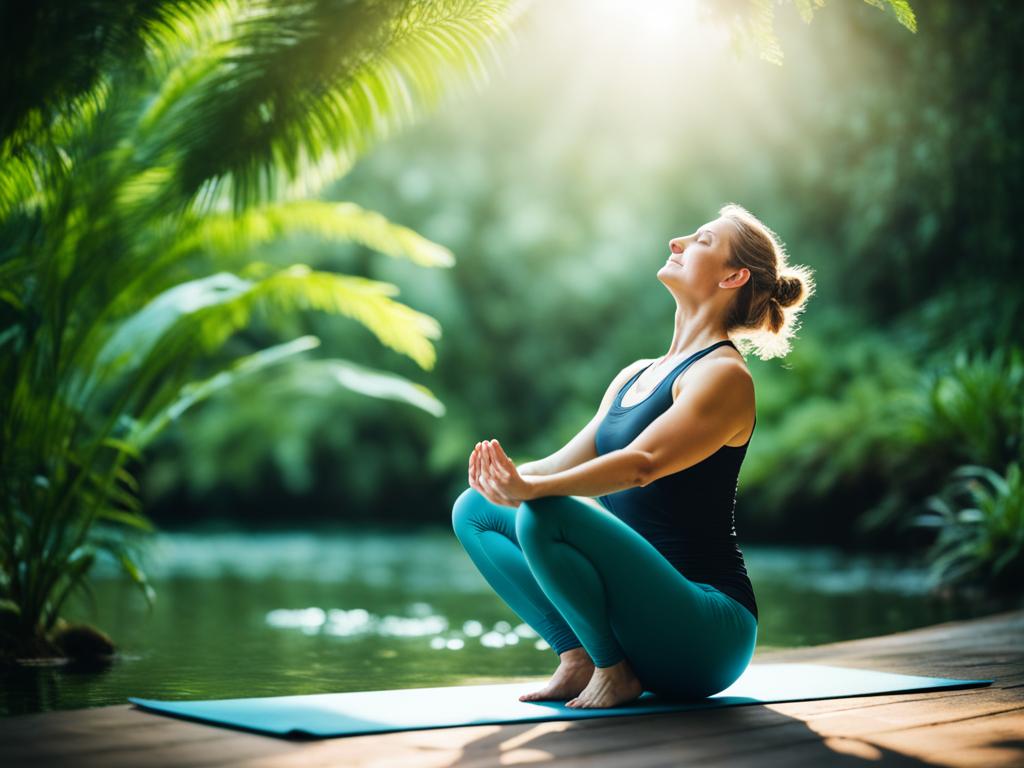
column 345, row 373
column 751, row 23
column 397, row 326
column 225, row 233
column 202, row 314
column 806, row 8
column 311, row 85
column 131, row 343
column 370, row 382
column 900, row 8
column 63, row 48
column 142, row 431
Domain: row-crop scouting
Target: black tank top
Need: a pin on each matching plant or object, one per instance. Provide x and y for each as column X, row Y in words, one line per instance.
column 689, row 516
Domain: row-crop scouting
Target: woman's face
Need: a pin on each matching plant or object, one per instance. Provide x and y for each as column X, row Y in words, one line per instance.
column 696, row 263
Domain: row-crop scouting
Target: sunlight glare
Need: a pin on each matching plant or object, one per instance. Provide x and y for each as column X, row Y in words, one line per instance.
column 659, row 32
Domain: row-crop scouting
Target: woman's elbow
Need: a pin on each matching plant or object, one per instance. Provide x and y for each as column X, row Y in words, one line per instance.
column 646, row 468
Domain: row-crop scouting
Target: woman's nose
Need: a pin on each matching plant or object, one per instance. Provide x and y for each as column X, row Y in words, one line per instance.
column 676, row 246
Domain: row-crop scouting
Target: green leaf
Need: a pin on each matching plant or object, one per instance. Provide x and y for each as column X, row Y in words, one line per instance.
column 196, row 391
column 125, row 518
column 135, row 336
column 374, row 383
column 124, row 447
column 970, row 516
column 73, row 574
column 223, row 233
column 138, row 577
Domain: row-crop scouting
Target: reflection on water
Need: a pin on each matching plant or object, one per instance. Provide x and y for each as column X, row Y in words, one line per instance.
column 243, row 614
column 357, row 621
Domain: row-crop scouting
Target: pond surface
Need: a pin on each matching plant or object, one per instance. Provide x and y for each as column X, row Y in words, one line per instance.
column 265, row 614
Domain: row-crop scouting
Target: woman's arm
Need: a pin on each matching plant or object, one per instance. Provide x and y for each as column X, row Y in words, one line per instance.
column 612, row 472
column 581, row 448
column 716, row 406
column 493, row 474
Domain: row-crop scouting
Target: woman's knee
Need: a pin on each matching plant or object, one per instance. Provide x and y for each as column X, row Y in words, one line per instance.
column 466, row 507
column 474, row 510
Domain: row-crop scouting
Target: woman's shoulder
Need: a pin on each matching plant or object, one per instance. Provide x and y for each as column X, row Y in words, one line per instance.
column 717, row 371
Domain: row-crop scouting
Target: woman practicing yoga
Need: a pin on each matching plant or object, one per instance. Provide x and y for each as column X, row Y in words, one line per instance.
column 647, row 590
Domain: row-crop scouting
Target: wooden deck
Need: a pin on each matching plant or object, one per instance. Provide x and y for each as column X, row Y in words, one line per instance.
column 982, row 726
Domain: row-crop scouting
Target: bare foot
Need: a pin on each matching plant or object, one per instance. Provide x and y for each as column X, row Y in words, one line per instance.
column 609, row 687
column 569, row 679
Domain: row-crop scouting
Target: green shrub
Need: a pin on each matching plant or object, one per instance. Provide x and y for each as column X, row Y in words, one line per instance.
column 979, row 518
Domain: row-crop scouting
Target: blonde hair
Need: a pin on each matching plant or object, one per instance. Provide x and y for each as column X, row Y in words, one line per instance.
column 764, row 316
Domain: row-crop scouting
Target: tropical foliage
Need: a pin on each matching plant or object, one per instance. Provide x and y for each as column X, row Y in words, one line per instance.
column 187, row 134
column 979, row 520
column 753, row 21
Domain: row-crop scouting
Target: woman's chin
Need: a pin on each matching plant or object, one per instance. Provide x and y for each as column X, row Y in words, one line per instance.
column 666, row 273
column 672, row 286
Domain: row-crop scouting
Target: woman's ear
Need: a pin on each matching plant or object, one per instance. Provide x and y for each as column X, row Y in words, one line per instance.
column 736, row 279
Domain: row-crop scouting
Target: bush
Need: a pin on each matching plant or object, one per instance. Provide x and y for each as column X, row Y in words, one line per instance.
column 979, row 516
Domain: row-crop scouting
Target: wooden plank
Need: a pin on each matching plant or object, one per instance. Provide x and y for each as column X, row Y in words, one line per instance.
column 610, row 731
column 996, row 740
column 634, row 741
column 960, row 727
column 213, row 739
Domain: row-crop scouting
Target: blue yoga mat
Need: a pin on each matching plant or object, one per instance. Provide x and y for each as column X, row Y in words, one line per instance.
column 361, row 712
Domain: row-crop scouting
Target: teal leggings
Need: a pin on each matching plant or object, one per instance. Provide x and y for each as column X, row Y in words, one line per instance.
column 580, row 576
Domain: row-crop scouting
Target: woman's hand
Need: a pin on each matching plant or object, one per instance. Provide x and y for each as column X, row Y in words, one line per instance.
column 494, row 475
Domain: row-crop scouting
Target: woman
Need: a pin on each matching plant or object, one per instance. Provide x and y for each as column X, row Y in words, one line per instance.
column 647, row 590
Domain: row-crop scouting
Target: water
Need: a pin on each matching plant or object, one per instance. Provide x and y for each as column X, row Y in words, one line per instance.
column 246, row 614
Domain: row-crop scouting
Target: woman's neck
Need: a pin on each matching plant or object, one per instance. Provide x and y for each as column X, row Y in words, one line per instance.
column 694, row 330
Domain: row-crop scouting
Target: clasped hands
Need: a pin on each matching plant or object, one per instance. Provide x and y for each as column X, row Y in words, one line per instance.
column 493, row 474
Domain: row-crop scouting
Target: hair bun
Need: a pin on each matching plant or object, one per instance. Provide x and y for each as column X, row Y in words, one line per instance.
column 788, row 290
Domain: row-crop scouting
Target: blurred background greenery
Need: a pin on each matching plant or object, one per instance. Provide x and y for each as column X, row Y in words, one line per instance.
column 181, row 219
column 888, row 161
